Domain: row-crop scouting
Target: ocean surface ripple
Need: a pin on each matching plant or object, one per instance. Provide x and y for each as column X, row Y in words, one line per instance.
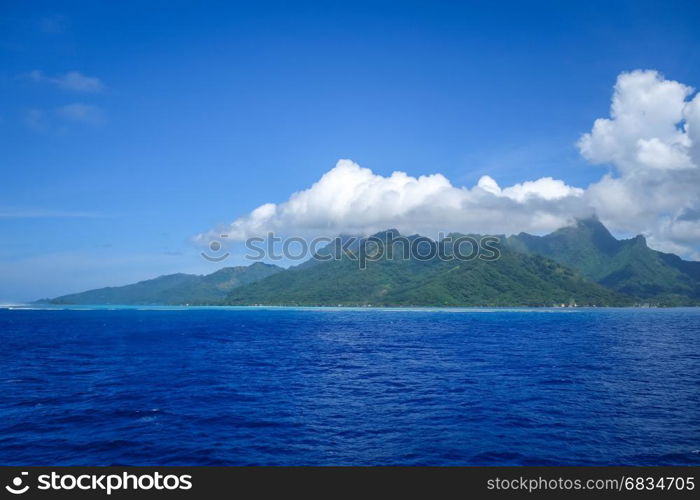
column 252, row 386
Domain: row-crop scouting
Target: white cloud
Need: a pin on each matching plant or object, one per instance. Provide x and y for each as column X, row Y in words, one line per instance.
column 651, row 140
column 83, row 113
column 72, row 80
column 545, row 188
column 36, row 119
column 642, row 130
column 352, row 199
column 41, row 120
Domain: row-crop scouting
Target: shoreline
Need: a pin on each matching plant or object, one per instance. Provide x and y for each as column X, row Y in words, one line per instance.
column 465, row 309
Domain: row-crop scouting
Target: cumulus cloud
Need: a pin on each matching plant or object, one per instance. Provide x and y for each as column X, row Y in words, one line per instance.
column 72, row 80
column 643, row 129
column 651, row 142
column 353, row 200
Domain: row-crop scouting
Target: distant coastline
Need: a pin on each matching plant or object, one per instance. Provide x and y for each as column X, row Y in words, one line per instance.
column 160, row 307
column 577, row 266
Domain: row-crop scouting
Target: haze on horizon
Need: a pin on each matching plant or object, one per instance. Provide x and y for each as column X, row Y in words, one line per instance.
column 126, row 133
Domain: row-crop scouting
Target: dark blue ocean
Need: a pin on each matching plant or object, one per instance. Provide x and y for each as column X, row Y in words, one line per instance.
column 361, row 387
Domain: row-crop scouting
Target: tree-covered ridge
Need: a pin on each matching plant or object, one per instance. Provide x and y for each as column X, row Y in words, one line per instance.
column 626, row 266
column 582, row 264
column 514, row 279
column 174, row 289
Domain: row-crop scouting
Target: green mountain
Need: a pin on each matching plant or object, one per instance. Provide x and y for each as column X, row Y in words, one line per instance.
column 515, row 279
column 175, row 289
column 626, row 266
column 582, row 264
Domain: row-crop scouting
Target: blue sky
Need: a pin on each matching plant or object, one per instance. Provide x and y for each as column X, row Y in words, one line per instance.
column 186, row 115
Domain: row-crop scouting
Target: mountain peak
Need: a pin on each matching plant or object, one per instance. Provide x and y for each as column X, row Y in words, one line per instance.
column 591, row 223
column 588, row 231
column 261, row 265
column 640, row 240
column 393, row 233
